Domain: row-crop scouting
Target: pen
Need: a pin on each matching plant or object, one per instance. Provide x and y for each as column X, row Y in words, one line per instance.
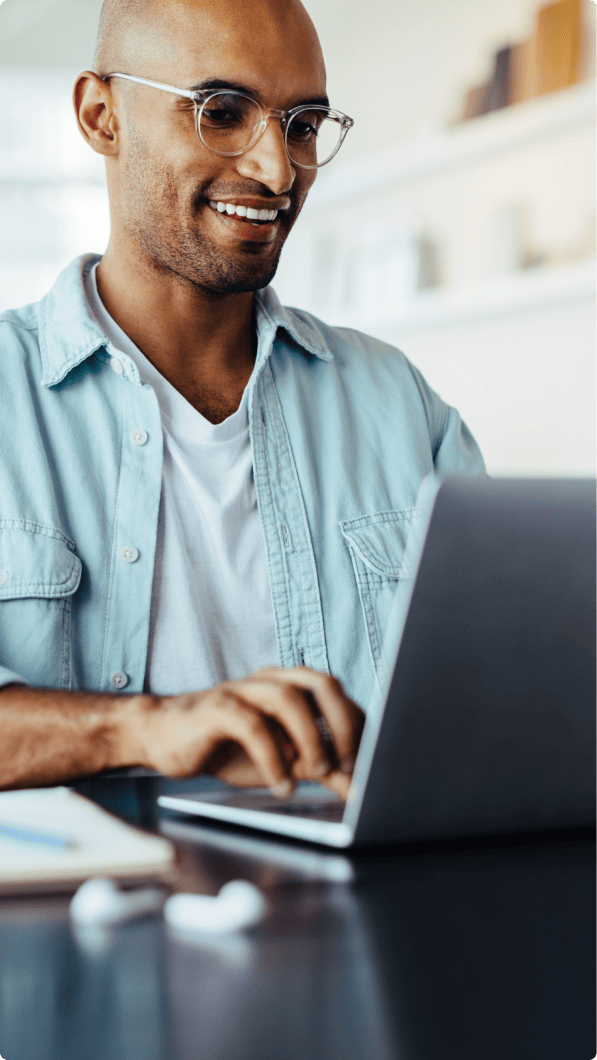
column 41, row 838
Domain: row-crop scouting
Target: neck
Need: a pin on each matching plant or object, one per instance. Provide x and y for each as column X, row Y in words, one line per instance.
column 200, row 341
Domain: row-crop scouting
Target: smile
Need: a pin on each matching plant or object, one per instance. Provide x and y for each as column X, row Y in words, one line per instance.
column 247, row 213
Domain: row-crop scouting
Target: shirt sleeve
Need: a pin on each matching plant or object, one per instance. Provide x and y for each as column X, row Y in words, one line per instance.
column 456, row 451
column 8, row 677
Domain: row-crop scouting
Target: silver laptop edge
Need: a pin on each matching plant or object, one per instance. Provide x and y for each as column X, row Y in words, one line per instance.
column 391, row 646
column 355, row 823
column 341, row 835
column 336, row 835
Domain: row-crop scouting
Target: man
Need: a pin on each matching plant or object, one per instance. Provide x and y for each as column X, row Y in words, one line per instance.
column 197, row 484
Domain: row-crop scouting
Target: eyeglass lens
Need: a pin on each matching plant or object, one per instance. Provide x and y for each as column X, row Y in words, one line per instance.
column 228, row 124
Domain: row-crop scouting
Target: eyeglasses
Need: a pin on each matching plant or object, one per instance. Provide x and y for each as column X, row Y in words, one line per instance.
column 230, row 123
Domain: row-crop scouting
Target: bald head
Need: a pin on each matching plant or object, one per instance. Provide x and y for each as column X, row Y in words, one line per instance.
column 130, row 31
column 163, row 180
column 145, row 36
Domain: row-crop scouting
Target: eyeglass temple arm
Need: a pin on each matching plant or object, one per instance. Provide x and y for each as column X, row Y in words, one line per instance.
column 346, row 122
column 156, row 84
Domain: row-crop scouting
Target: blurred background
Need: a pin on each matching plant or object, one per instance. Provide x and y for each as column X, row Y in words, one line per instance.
column 457, row 222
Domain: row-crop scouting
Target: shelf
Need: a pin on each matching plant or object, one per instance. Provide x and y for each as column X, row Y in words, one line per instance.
column 473, row 141
column 519, row 292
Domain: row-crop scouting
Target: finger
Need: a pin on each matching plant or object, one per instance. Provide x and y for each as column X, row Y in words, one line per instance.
column 338, row 782
column 343, row 717
column 291, row 708
column 239, row 721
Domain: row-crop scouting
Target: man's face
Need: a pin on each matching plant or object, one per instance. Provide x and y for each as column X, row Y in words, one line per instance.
column 167, row 178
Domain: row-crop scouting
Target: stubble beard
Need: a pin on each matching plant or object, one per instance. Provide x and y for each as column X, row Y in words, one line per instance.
column 197, row 261
column 149, row 197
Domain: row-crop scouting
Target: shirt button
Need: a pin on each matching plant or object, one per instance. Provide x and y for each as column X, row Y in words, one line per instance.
column 117, row 366
column 138, row 436
column 4, row 576
column 119, row 679
column 130, row 554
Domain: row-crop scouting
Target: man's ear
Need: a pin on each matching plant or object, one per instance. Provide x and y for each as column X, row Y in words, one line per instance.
column 96, row 113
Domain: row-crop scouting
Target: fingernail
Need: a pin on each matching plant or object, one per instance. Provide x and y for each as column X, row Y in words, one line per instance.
column 348, row 764
column 321, row 769
column 282, row 790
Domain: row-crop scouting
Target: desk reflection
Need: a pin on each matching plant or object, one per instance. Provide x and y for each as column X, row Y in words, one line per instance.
column 401, row 954
column 424, row 953
column 61, row 999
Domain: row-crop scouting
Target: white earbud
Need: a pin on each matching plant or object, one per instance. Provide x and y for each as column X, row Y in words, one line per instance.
column 99, row 901
column 236, row 906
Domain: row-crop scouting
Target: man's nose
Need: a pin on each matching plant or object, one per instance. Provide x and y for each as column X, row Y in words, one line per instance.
column 267, row 160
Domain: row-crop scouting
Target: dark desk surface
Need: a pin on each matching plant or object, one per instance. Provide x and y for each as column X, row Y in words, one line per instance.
column 468, row 951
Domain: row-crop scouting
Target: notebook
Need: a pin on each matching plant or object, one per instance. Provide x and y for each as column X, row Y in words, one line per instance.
column 51, row 839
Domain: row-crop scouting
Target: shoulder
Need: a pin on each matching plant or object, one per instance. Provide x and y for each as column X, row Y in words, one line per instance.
column 376, row 374
column 19, row 338
column 19, row 332
column 15, row 322
column 360, row 353
column 20, row 355
column 379, row 377
column 347, row 344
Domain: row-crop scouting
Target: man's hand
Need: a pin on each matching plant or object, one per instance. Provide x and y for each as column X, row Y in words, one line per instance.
column 272, row 728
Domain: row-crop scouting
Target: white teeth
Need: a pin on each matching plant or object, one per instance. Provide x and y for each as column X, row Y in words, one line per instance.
column 231, row 208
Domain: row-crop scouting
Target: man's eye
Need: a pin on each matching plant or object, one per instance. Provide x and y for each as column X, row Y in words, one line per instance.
column 301, row 130
column 220, row 116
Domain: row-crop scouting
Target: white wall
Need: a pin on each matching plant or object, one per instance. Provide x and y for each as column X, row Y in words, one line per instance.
column 512, row 349
column 48, row 34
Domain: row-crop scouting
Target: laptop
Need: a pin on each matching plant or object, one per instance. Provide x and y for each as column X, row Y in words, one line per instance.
column 485, row 719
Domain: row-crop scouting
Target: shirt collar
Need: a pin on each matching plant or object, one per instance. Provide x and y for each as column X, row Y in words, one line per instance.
column 69, row 332
column 302, row 327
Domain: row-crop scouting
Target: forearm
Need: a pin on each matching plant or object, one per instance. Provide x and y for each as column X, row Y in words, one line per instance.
column 258, row 728
column 49, row 737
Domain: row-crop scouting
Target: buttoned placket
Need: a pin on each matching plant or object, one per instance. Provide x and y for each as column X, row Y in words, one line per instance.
column 135, row 532
column 291, row 563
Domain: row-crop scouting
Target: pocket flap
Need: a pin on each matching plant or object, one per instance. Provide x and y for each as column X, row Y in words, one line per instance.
column 36, row 560
column 380, row 540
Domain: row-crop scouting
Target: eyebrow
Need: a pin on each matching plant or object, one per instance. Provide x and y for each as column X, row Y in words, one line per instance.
column 236, row 86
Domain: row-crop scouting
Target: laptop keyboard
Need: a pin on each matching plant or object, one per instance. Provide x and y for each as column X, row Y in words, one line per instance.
column 322, row 812
column 318, row 808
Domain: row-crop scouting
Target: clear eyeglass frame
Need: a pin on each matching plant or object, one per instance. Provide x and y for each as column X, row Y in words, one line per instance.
column 200, row 97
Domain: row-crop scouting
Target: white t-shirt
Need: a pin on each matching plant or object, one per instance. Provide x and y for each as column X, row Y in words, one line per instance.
column 211, row 610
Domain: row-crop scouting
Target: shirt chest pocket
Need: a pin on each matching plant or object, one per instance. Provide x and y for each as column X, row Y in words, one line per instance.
column 377, row 544
column 39, row 572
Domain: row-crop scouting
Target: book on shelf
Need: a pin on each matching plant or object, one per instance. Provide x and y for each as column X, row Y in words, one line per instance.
column 550, row 59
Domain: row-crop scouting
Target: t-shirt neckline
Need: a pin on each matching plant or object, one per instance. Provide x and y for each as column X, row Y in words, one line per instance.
column 178, row 413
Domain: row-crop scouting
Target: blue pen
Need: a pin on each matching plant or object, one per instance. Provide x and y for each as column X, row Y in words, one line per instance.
column 13, row 832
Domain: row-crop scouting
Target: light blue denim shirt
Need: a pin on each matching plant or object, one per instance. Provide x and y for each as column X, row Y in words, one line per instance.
column 343, row 429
